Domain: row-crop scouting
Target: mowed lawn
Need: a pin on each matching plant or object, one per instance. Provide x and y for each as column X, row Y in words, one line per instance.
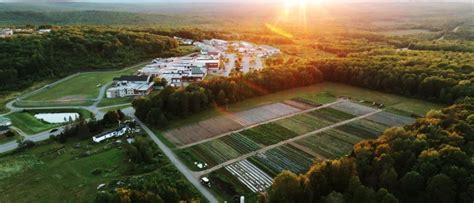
column 326, row 92
column 81, row 87
column 55, row 172
column 27, row 123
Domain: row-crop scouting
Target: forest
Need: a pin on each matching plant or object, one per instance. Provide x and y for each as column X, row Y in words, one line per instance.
column 26, row 59
column 436, row 76
column 428, row 161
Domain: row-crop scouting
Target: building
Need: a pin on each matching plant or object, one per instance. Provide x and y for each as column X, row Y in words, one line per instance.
column 6, row 33
column 5, row 124
column 110, row 134
column 42, row 31
column 126, row 86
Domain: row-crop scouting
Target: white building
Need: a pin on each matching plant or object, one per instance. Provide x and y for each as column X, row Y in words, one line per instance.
column 6, row 33
column 114, row 133
column 42, row 31
column 125, row 86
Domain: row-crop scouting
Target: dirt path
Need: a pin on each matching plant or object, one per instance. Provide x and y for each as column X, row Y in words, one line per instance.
column 262, row 150
column 258, row 124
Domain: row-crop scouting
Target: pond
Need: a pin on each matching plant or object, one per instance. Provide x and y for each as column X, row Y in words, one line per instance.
column 57, row 117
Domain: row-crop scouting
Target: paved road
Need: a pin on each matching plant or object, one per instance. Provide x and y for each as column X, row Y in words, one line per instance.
column 46, row 134
column 262, row 150
column 192, row 177
column 35, row 138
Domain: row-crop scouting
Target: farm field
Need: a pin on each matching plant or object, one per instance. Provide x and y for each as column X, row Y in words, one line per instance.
column 26, row 122
column 230, row 122
column 80, row 87
column 323, row 93
column 275, row 155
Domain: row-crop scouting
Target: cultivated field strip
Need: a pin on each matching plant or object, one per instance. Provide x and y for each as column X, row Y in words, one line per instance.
column 391, row 119
column 227, row 123
column 250, row 175
column 286, row 157
column 264, row 113
column 353, row 108
column 264, row 149
column 201, row 140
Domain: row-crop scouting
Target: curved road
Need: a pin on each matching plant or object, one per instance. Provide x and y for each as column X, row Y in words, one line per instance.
column 192, row 177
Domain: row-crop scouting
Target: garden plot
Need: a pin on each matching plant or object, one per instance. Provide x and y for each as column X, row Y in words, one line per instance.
column 202, row 130
column 365, row 129
column 250, row 175
column 268, row 134
column 391, row 119
column 223, row 124
column 263, row 113
column 221, row 150
column 327, row 144
column 282, row 158
column 331, row 114
column 353, row 108
column 303, row 123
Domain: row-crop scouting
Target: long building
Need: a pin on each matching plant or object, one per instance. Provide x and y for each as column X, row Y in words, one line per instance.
column 126, row 86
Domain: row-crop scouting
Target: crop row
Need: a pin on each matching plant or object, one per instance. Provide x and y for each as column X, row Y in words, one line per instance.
column 363, row 128
column 268, row 134
column 223, row 149
column 331, row 114
column 283, row 158
column 250, row 175
column 303, row 123
column 391, row 119
column 327, row 144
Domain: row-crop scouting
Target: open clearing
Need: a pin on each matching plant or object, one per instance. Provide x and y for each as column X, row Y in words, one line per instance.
column 80, row 87
column 54, row 174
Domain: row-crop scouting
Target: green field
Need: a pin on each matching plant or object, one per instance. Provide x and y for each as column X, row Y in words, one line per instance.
column 51, row 172
column 81, row 87
column 55, row 172
column 26, row 122
column 115, row 101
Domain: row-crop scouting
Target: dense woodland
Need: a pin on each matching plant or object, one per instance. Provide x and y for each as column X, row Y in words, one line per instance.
column 26, row 59
column 436, row 76
column 429, row 161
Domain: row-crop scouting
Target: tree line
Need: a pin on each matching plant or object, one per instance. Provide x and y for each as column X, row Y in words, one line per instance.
column 173, row 103
column 436, row 76
column 429, row 161
column 25, row 59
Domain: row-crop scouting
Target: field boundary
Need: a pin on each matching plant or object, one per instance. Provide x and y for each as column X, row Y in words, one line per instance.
column 264, row 149
column 258, row 124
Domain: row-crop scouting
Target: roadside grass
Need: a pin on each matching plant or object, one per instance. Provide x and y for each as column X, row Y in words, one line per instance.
column 322, row 93
column 56, row 172
column 4, row 139
column 26, row 122
column 81, row 87
column 107, row 109
column 115, row 101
